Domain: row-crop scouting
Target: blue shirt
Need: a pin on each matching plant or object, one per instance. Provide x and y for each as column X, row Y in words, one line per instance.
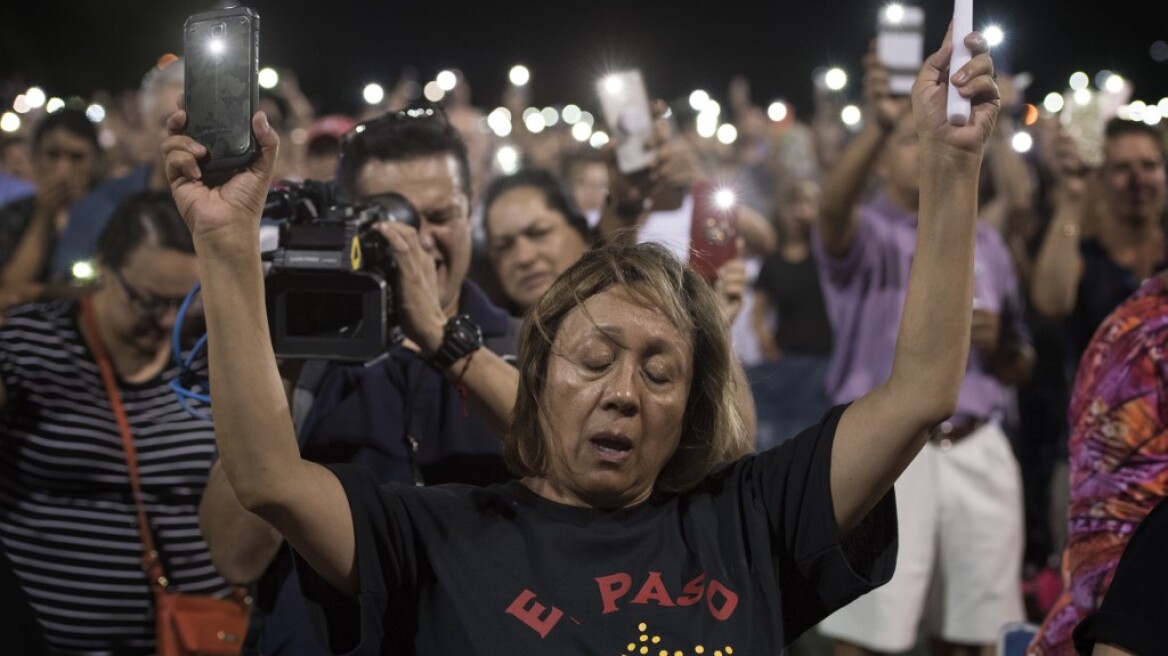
column 88, row 218
column 14, row 189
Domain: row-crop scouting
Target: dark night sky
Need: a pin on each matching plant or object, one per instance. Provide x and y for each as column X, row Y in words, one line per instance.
column 75, row 47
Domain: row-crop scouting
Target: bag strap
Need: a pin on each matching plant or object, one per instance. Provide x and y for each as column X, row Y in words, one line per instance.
column 150, row 561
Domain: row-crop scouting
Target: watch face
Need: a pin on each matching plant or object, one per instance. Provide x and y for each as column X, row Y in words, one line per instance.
column 463, row 330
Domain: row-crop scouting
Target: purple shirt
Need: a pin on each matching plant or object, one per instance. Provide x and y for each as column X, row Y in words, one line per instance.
column 865, row 291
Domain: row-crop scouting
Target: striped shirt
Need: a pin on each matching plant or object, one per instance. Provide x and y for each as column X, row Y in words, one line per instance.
column 67, row 515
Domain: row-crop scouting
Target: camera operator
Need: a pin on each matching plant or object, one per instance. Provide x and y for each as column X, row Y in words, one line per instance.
column 426, row 412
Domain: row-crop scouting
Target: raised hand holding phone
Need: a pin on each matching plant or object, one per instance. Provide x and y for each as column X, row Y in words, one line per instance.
column 900, row 44
column 626, row 111
column 221, row 69
column 959, row 106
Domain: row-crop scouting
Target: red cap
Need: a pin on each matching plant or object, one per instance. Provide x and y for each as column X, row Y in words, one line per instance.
column 333, row 125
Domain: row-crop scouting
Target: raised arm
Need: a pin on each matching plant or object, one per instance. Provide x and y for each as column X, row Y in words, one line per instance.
column 1059, row 265
column 883, row 431
column 838, row 218
column 253, row 428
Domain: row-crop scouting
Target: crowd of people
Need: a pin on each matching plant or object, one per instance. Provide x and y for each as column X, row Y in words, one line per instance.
column 929, row 377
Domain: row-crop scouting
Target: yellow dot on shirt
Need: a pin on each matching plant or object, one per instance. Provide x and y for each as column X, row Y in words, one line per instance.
column 656, row 639
column 642, row 626
column 699, row 649
column 729, row 650
column 644, row 638
column 632, row 646
column 717, row 652
column 644, row 650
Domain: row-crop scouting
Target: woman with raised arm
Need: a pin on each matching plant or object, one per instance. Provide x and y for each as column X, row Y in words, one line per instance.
column 638, row 524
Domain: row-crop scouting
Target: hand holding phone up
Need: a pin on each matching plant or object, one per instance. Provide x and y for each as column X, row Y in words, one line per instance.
column 221, row 70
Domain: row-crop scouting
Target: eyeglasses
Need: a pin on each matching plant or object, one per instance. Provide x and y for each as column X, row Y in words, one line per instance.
column 153, row 306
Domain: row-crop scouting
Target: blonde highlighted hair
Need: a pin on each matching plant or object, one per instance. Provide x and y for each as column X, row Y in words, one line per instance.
column 713, row 431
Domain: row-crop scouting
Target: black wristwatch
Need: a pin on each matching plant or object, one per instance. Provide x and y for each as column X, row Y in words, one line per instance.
column 460, row 337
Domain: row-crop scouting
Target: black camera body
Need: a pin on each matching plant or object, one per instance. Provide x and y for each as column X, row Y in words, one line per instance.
column 332, row 288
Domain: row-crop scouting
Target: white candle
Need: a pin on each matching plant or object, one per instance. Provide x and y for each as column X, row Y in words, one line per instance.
column 962, row 25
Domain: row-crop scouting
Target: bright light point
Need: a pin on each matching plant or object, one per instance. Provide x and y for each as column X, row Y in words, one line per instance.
column 1053, row 102
column 519, row 75
column 835, row 79
column 894, row 13
column 698, row 100
column 1079, row 81
column 9, row 122
column 1083, row 97
column 1152, row 115
column 216, row 46
column 571, row 114
column 268, row 78
column 95, row 113
column 850, row 115
column 83, row 270
column 550, row 116
column 527, row 113
column 994, row 36
column 508, row 159
column 433, row 91
column 581, row 132
column 707, row 124
column 725, row 198
column 35, row 96
column 447, row 80
column 598, row 139
column 777, row 111
column 20, row 104
column 54, row 105
column 534, row 122
column 1114, row 83
column 727, row 133
column 373, row 93
column 1122, row 112
column 499, row 120
column 712, row 107
column 587, row 118
column 1163, row 106
column 613, row 85
column 1022, row 142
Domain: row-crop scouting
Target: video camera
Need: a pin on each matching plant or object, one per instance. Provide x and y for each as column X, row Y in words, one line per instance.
column 331, row 291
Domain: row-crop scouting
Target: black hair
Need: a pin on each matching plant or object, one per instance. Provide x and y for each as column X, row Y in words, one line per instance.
column 74, row 121
column 400, row 136
column 1117, row 127
column 554, row 194
column 149, row 216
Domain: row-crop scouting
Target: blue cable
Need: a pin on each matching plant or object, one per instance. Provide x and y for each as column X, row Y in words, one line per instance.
column 187, row 395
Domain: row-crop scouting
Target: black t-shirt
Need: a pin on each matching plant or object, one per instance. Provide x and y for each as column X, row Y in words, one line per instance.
column 1134, row 612
column 742, row 564
column 803, row 327
column 1104, row 285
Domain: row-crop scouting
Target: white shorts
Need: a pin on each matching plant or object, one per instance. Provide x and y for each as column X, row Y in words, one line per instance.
column 958, row 568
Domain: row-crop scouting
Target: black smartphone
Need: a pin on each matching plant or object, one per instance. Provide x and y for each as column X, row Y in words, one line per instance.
column 221, row 59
